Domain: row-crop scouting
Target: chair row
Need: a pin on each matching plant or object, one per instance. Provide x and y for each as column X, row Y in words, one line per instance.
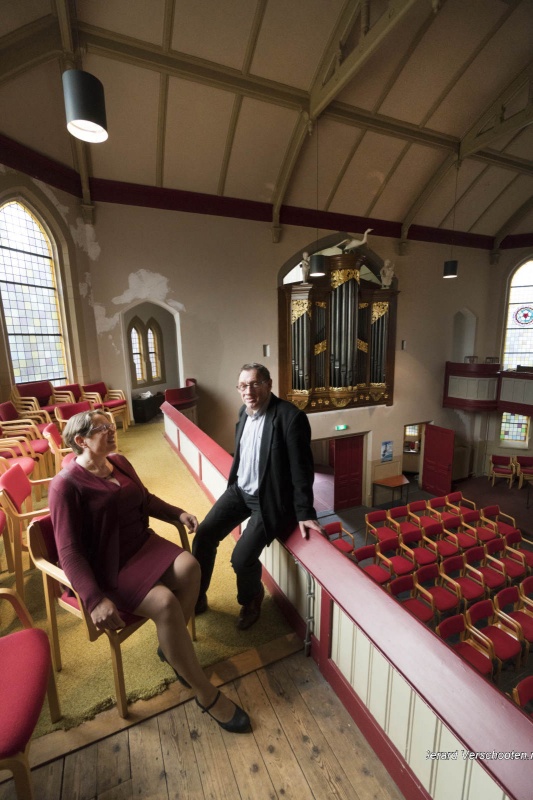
column 511, row 467
column 42, row 399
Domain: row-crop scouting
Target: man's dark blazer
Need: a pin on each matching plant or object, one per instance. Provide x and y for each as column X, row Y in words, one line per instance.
column 286, row 470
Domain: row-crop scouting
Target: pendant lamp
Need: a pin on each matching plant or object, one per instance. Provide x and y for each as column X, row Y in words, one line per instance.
column 317, row 262
column 451, row 266
column 84, row 106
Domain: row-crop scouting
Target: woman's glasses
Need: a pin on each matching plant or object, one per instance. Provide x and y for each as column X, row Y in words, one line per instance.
column 106, row 426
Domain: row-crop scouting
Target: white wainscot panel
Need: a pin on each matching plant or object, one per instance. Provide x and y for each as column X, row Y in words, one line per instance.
column 482, row 785
column 212, row 479
column 423, row 738
column 472, row 388
column 361, row 665
column 342, row 643
column 450, row 770
column 171, row 431
column 379, row 687
column 190, row 453
column 401, row 699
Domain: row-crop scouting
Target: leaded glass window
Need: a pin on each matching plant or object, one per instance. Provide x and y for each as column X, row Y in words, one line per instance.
column 514, row 428
column 153, row 353
column 518, row 348
column 29, row 297
column 137, row 355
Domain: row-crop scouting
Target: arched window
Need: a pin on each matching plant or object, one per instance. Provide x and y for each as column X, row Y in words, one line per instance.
column 29, row 297
column 146, row 353
column 518, row 347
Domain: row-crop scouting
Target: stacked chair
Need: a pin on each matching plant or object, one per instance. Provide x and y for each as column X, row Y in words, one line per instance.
column 502, row 467
column 524, row 469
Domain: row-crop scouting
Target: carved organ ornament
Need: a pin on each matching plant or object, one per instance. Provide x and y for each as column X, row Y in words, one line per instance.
column 337, row 339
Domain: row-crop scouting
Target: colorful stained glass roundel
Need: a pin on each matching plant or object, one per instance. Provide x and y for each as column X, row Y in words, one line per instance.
column 524, row 315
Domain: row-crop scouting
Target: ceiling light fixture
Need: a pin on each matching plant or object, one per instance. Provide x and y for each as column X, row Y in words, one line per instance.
column 317, row 262
column 450, row 266
column 84, row 106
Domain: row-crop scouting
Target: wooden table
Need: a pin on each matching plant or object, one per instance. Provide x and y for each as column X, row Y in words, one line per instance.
column 393, row 482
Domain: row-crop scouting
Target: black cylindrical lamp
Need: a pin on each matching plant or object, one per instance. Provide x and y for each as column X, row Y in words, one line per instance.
column 450, row 269
column 317, row 265
column 84, row 106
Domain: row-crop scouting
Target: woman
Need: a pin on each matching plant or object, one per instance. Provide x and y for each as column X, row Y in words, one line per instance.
column 100, row 512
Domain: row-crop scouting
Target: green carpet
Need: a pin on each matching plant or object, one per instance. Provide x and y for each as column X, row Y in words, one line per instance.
column 85, row 684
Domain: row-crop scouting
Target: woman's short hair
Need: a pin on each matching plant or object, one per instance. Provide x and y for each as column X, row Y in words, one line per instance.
column 79, row 425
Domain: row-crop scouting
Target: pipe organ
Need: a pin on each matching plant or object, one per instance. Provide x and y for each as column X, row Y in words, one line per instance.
column 337, row 339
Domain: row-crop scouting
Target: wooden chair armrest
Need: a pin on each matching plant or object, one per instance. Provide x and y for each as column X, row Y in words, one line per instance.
column 349, row 535
column 20, row 443
column 478, row 575
column 510, row 623
column 25, row 404
column 20, row 609
column 395, row 526
column 434, row 513
column 93, row 397
column 499, row 565
column 452, row 583
column 22, row 427
column 421, row 590
column 484, row 640
column 516, row 555
column 527, row 605
column 430, row 544
column 63, row 397
column 469, row 503
column 410, row 554
column 386, row 560
column 116, row 394
column 481, row 645
column 38, row 512
column 508, row 517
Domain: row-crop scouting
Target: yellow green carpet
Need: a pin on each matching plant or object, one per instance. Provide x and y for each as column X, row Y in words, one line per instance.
column 85, row 683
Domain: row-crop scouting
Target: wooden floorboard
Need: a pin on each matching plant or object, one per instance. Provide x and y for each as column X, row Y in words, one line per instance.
column 303, row 745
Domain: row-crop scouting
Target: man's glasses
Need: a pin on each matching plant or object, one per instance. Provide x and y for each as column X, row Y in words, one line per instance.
column 106, row 426
column 241, row 387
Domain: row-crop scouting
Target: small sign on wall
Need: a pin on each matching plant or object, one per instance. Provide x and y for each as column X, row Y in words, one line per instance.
column 386, row 451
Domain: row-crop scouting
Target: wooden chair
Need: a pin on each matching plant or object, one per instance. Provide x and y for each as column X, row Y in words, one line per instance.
column 68, row 410
column 61, row 454
column 112, row 400
column 502, row 467
column 15, row 490
column 27, row 678
column 524, row 469
column 453, row 630
column 523, row 692
column 58, row 590
column 335, row 534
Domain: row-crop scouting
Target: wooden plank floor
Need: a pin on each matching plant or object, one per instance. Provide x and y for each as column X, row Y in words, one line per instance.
column 304, row 745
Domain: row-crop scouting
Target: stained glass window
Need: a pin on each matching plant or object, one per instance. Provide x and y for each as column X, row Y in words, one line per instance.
column 518, row 348
column 137, row 354
column 514, row 428
column 29, row 298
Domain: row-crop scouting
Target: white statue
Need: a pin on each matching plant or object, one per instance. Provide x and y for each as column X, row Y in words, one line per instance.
column 353, row 244
column 306, row 266
column 387, row 274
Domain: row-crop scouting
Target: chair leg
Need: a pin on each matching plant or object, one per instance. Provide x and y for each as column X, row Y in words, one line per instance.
column 53, row 699
column 19, row 765
column 49, row 596
column 118, row 674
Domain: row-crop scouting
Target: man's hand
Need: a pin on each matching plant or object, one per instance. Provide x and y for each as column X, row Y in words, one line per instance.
column 310, row 524
column 190, row 521
column 106, row 617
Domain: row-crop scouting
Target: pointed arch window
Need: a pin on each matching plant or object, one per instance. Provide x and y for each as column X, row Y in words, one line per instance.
column 30, row 298
column 145, row 343
column 518, row 347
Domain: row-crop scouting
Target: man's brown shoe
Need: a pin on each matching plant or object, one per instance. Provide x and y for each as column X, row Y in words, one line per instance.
column 251, row 612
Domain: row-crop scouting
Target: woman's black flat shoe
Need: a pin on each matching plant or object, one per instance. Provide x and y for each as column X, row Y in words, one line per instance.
column 181, row 680
column 239, row 723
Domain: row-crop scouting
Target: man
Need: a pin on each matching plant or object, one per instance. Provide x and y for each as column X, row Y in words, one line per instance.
column 270, row 481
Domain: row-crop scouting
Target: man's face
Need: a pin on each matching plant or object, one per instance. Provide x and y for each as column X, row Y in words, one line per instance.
column 253, row 389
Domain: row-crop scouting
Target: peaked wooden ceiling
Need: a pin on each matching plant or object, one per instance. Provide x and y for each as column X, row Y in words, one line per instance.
column 341, row 113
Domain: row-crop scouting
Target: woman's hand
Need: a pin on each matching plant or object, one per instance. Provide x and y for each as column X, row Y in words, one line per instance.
column 106, row 617
column 190, row 521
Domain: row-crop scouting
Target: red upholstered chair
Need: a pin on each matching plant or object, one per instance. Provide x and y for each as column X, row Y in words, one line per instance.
column 455, row 633
column 68, row 393
column 64, row 412
column 509, row 601
column 514, row 561
column 439, row 505
column 490, row 628
column 469, row 580
column 417, row 548
column 526, row 588
column 4, row 532
column 15, row 490
column 366, row 558
column 27, row 463
column 58, row 589
column 524, row 469
column 13, row 420
column 19, row 446
column 391, row 555
column 503, row 522
column 484, row 530
column 443, row 543
column 523, row 692
column 335, row 534
column 112, row 400
column 400, row 520
column 515, row 540
column 443, row 598
column 62, row 455
column 405, row 584
column 377, row 525
column 27, row 678
column 493, row 571
column 34, row 396
column 464, row 536
column 501, row 467
column 421, row 514
column 457, row 504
